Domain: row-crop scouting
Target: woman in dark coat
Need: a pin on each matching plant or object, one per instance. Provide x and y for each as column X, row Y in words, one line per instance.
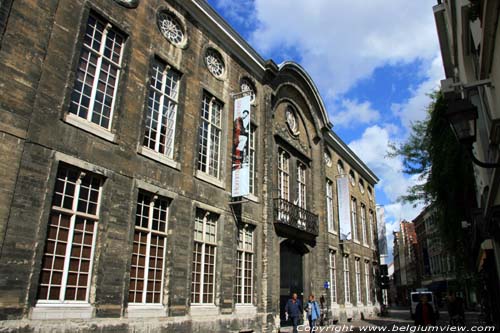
column 424, row 313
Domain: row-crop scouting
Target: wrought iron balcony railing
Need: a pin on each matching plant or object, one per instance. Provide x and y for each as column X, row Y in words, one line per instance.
column 295, row 216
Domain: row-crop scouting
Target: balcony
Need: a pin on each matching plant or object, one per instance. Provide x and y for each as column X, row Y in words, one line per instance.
column 292, row 221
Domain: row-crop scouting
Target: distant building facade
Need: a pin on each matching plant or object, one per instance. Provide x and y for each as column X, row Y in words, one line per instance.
column 116, row 137
column 405, row 261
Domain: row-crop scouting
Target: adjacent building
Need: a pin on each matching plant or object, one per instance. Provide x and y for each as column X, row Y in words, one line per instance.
column 405, row 261
column 469, row 37
column 118, row 156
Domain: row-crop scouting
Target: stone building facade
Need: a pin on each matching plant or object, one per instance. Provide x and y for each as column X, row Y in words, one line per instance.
column 116, row 211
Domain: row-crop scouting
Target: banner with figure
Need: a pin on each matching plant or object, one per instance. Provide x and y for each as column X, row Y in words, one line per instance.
column 241, row 147
column 344, row 213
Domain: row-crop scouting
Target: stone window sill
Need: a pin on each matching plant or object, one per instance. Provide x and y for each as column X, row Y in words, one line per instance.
column 145, row 310
column 204, row 310
column 149, row 153
column 253, row 198
column 89, row 127
column 62, row 311
column 209, row 179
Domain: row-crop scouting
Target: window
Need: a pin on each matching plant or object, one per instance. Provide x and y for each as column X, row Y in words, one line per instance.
column 284, row 175
column 170, row 28
column 358, row 281
column 204, row 251
column 361, row 185
column 333, row 276
column 367, row 282
column 329, row 206
column 209, row 136
column 354, row 219
column 214, row 63
column 371, row 231
column 252, row 159
column 340, row 167
column 328, row 159
column 94, row 92
column 352, row 178
column 148, row 254
column 162, row 109
column 244, row 267
column 70, row 243
column 363, row 224
column 347, row 283
column 246, row 85
column 301, row 192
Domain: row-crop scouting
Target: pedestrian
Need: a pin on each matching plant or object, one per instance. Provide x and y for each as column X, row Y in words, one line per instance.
column 313, row 312
column 294, row 310
column 456, row 310
column 424, row 313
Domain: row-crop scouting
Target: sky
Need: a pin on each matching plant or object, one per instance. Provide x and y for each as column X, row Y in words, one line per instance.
column 374, row 62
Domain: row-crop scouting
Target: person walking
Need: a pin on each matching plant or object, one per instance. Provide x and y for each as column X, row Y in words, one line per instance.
column 313, row 312
column 294, row 310
column 424, row 313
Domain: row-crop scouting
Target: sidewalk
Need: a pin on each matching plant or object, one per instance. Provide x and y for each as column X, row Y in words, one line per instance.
column 354, row 324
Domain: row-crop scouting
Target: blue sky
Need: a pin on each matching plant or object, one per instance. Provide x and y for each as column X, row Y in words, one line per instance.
column 374, row 63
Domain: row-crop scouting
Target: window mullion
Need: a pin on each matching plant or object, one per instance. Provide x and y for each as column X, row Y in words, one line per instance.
column 97, row 72
column 160, row 111
column 69, row 244
column 148, row 246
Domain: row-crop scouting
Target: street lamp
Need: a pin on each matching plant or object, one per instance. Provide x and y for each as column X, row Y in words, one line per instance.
column 462, row 116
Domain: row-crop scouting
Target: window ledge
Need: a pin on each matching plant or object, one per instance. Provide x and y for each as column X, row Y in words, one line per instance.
column 145, row 310
column 245, row 309
column 209, row 179
column 253, row 198
column 333, row 232
column 89, row 127
column 149, row 153
column 62, row 311
column 204, row 310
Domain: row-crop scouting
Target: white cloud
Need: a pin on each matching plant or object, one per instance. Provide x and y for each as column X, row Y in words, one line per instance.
column 352, row 111
column 343, row 41
column 372, row 148
column 415, row 107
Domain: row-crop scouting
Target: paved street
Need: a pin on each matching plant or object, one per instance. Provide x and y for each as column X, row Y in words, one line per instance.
column 396, row 318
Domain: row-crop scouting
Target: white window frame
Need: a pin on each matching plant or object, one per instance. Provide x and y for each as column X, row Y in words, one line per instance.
column 363, row 224
column 284, row 174
column 246, row 249
column 252, row 155
column 354, row 219
column 332, row 256
column 73, row 213
column 347, row 282
column 212, row 130
column 168, row 121
column 371, row 222
column 357, row 271
column 301, row 192
column 149, row 231
column 100, row 55
column 329, row 207
column 204, row 243
column 367, row 282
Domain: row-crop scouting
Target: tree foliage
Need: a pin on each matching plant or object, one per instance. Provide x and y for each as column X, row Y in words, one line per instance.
column 433, row 153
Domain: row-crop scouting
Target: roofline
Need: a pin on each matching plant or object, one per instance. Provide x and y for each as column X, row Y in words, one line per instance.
column 312, row 86
column 234, row 42
column 352, row 158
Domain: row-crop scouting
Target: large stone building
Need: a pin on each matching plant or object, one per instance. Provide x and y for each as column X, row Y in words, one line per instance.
column 436, row 265
column 469, row 37
column 405, row 260
column 116, row 207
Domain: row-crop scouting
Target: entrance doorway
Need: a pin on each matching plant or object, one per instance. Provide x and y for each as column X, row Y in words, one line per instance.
column 291, row 274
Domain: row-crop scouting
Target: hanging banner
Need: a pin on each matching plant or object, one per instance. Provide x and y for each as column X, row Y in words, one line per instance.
column 344, row 208
column 241, row 147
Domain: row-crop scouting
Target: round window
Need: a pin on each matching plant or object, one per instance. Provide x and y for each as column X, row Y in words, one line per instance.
column 214, row 62
column 170, row 28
